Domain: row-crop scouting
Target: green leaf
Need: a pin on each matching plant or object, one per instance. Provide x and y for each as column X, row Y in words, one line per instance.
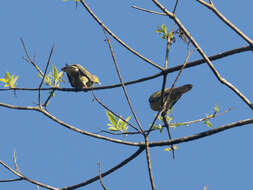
column 10, row 81
column 59, row 76
column 177, row 125
column 157, row 127
column 7, row 75
column 162, row 30
column 160, row 127
column 216, row 109
column 113, row 129
column 55, row 72
column 117, row 125
column 111, row 118
column 3, row 80
column 123, row 126
column 208, row 123
column 169, row 149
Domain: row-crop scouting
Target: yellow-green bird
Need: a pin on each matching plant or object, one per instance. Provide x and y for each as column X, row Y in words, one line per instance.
column 175, row 94
column 79, row 77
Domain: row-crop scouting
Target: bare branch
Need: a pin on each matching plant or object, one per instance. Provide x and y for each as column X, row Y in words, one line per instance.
column 201, row 52
column 149, row 11
column 46, row 113
column 15, row 161
column 122, row 83
column 169, row 70
column 175, row 7
column 202, row 134
column 11, row 180
column 226, row 21
column 26, row 178
column 115, row 114
column 29, row 58
column 121, row 164
column 44, row 75
column 151, row 178
column 100, row 177
column 116, row 38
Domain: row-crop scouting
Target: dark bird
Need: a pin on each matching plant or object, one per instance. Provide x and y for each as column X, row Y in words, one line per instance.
column 79, row 77
column 174, row 96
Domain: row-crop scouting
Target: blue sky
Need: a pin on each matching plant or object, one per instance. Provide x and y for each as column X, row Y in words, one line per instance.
column 54, row 155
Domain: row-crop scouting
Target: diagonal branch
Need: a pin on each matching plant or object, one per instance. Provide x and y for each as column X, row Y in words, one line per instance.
column 29, row 59
column 26, row 178
column 122, row 83
column 226, row 21
column 201, row 52
column 116, row 38
column 121, row 164
column 46, row 113
column 105, row 107
column 44, row 75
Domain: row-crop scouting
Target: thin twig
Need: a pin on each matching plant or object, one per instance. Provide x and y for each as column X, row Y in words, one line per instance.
column 173, row 125
column 100, row 177
column 116, row 38
column 44, row 75
column 115, row 114
column 226, row 21
column 122, row 83
column 15, row 161
column 48, row 98
column 202, row 53
column 25, row 178
column 29, row 58
column 11, row 180
column 149, row 11
column 151, row 178
column 175, row 7
column 166, row 123
column 121, row 164
column 169, row 70
column 72, row 128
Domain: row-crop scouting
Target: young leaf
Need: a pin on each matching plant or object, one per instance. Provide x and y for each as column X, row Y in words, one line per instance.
column 113, row 129
column 208, row 123
column 111, row 118
column 169, row 149
column 55, row 72
column 216, row 109
column 10, row 81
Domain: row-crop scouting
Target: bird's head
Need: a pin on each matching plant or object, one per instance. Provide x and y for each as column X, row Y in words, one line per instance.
column 96, row 80
column 70, row 68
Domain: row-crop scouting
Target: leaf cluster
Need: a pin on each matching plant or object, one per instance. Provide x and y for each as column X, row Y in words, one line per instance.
column 117, row 124
column 9, row 80
column 54, row 78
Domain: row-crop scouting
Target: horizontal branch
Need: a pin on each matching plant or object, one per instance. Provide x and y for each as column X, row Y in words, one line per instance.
column 140, row 144
column 169, row 70
column 202, row 134
column 72, row 128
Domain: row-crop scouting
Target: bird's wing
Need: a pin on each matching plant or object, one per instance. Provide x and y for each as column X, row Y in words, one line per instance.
column 71, row 80
column 83, row 71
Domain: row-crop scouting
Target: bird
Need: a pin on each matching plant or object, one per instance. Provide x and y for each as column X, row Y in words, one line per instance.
column 174, row 96
column 79, row 77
